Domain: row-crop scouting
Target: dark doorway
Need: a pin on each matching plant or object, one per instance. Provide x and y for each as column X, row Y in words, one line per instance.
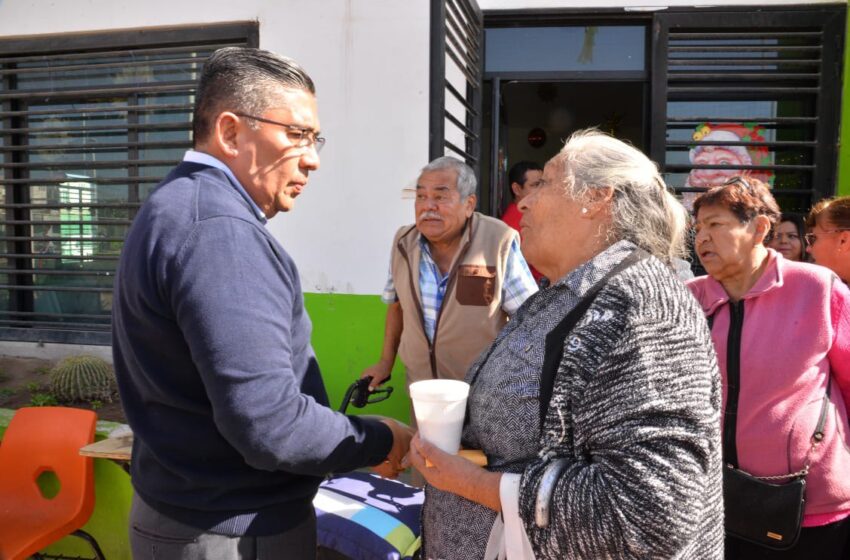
column 537, row 117
column 544, row 83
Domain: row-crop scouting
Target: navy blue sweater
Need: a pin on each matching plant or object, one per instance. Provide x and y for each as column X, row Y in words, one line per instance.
column 215, row 368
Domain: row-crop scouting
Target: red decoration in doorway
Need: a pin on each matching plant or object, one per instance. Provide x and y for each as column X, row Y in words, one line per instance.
column 536, row 137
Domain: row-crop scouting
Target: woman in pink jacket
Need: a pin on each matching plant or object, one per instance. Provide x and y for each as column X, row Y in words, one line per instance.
column 782, row 334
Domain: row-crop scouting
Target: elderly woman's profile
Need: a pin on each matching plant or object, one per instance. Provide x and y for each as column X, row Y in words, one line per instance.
column 598, row 404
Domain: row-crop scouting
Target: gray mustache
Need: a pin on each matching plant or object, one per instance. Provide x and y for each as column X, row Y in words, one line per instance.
column 428, row 215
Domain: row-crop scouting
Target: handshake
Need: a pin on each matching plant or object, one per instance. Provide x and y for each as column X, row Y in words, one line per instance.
column 395, row 462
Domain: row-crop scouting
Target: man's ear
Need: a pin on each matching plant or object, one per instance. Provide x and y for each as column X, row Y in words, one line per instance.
column 516, row 188
column 226, row 134
column 469, row 204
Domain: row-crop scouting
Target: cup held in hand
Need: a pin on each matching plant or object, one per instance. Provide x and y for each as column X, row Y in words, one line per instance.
column 440, row 406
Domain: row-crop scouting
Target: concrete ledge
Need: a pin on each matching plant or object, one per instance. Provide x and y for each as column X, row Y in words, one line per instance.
column 52, row 351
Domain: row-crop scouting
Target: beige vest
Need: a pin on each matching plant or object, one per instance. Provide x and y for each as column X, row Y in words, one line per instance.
column 471, row 315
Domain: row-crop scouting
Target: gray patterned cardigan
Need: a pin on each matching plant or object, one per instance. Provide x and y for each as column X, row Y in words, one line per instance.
column 636, row 411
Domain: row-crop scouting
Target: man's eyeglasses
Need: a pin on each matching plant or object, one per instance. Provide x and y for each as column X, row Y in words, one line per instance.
column 812, row 238
column 301, row 137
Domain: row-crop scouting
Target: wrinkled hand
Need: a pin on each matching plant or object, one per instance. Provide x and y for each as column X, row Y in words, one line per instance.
column 379, row 373
column 443, row 471
column 453, row 473
column 402, row 433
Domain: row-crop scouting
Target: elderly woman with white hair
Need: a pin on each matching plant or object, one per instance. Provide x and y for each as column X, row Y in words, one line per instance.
column 598, row 404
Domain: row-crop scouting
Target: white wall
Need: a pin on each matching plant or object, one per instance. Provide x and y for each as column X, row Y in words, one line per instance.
column 369, row 59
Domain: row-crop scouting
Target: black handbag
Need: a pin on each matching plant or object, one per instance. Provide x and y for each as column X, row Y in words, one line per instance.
column 763, row 512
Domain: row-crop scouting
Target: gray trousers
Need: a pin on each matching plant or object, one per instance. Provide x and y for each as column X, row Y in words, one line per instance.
column 154, row 536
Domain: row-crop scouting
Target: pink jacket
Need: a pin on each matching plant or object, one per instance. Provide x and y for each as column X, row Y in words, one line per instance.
column 796, row 333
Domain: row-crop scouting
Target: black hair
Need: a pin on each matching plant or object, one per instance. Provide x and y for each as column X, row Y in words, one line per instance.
column 518, row 171
column 799, row 224
column 242, row 79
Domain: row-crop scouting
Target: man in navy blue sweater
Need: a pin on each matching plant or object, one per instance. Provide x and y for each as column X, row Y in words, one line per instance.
column 211, row 340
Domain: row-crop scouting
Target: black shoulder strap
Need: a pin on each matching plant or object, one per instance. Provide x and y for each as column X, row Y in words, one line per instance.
column 554, row 349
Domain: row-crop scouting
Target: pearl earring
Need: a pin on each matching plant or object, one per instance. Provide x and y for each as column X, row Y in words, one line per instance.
column 584, row 210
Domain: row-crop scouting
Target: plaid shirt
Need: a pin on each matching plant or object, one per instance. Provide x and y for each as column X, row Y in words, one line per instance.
column 517, row 285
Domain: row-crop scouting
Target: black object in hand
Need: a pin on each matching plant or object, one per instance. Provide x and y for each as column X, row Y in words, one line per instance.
column 358, row 394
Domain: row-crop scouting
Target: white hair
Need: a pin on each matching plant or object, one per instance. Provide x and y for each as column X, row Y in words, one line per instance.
column 643, row 210
column 465, row 175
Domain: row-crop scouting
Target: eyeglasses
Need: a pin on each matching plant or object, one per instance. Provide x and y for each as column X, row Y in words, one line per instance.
column 301, row 137
column 812, row 238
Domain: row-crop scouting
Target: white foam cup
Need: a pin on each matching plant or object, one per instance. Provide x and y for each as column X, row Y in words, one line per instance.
column 439, row 406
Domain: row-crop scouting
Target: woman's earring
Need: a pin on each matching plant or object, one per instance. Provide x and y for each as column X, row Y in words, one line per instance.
column 584, row 210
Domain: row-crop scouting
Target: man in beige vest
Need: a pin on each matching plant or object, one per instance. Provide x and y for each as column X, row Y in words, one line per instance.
column 455, row 278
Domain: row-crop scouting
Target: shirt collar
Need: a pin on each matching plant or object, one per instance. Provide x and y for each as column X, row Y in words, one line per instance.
column 771, row 278
column 584, row 277
column 202, row 158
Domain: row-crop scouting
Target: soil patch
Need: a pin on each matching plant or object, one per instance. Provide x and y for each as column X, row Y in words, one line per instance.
column 26, row 382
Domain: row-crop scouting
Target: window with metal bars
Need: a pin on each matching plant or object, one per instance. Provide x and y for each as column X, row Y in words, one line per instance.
column 457, row 31
column 89, row 124
column 749, row 92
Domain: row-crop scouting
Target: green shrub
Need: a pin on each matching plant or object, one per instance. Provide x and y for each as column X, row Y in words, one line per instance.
column 43, row 399
column 33, row 387
column 83, row 378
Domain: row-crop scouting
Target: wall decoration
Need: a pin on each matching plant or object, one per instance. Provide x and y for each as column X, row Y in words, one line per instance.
column 730, row 156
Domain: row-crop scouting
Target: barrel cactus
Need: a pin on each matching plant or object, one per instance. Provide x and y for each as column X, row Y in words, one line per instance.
column 83, row 378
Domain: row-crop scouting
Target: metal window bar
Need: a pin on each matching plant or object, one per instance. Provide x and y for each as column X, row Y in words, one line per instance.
column 175, row 87
column 142, row 51
column 57, row 315
column 456, row 36
column 112, row 109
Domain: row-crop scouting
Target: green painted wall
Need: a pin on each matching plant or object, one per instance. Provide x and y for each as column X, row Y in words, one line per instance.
column 844, row 139
column 348, row 332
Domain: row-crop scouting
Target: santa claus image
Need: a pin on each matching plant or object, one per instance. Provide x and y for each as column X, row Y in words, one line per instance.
column 731, row 158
